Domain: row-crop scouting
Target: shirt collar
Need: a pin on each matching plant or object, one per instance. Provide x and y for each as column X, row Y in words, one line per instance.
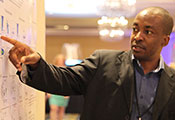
column 161, row 64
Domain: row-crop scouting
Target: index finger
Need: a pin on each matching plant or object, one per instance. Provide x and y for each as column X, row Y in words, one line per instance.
column 9, row 40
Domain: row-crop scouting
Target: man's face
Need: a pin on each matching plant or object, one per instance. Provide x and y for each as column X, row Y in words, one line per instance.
column 147, row 38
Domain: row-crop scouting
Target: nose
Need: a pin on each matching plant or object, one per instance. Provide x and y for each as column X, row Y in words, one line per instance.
column 138, row 36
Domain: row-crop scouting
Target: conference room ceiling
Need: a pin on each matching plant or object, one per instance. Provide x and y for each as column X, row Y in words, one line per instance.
column 87, row 25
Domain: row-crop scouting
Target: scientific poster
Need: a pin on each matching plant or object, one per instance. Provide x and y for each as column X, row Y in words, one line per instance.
column 18, row 21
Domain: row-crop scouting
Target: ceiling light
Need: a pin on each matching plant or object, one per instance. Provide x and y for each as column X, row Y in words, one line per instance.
column 112, row 29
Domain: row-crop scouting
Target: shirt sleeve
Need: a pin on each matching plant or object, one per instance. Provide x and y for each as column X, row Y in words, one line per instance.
column 25, row 74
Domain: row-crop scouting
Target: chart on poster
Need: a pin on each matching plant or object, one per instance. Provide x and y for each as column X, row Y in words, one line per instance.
column 18, row 21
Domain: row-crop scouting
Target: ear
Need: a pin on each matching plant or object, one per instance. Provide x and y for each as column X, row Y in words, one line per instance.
column 165, row 40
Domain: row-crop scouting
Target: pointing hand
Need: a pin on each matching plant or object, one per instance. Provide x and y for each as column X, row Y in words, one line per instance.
column 21, row 53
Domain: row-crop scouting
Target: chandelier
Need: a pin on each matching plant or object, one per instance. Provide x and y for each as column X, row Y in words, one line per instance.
column 116, row 8
column 112, row 29
column 113, row 22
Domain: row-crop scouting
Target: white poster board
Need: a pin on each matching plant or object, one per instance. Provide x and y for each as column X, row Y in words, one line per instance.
column 18, row 20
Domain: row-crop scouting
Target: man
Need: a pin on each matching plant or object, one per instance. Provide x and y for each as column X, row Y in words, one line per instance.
column 117, row 85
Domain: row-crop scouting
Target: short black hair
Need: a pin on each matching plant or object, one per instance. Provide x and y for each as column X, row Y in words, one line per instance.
column 167, row 19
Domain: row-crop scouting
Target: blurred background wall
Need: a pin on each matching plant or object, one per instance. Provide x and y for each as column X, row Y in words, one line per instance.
column 88, row 44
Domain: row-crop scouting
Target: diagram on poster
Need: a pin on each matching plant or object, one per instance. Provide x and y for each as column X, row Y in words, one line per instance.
column 18, row 21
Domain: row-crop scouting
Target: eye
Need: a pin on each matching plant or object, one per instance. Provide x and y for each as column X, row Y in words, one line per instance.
column 135, row 29
column 149, row 32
